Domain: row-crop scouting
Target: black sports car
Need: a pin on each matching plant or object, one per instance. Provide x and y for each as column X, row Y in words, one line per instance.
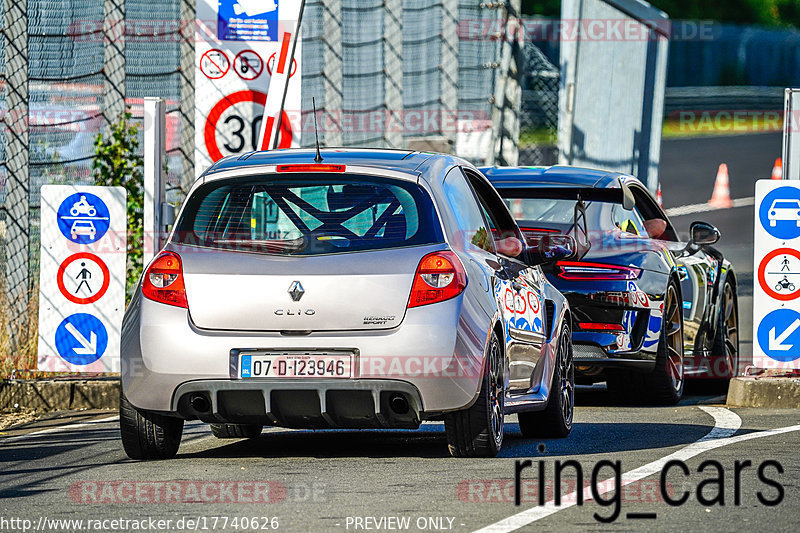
column 649, row 310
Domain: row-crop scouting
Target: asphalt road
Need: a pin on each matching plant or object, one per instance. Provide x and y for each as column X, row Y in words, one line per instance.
column 327, row 481
column 689, row 166
column 687, row 173
column 376, row 480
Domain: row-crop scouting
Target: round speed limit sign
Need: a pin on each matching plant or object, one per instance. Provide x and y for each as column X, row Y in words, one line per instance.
column 234, row 123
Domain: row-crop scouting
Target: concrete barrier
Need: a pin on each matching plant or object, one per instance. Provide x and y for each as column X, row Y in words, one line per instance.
column 774, row 392
column 55, row 395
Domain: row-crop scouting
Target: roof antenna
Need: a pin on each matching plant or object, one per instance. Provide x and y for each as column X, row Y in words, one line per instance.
column 318, row 158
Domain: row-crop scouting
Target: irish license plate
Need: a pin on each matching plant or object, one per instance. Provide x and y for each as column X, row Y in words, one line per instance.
column 283, row 365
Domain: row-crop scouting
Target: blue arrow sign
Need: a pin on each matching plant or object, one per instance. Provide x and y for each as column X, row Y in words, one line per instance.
column 779, row 335
column 779, row 213
column 81, row 339
column 83, row 218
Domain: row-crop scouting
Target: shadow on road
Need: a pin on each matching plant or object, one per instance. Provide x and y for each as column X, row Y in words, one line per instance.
column 430, row 442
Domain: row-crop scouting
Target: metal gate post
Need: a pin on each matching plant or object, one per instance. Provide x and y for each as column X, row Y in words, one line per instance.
column 791, row 144
column 156, row 210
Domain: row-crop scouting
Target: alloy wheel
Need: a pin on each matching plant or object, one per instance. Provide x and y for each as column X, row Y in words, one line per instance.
column 674, row 352
column 567, row 385
column 496, row 391
column 731, row 330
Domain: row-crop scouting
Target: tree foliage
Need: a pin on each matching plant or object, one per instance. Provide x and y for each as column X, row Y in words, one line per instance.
column 117, row 163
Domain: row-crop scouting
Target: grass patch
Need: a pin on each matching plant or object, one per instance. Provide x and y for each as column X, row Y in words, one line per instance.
column 19, row 355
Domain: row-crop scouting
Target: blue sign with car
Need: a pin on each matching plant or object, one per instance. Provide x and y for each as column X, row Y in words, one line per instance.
column 779, row 213
column 81, row 339
column 83, row 218
column 779, row 335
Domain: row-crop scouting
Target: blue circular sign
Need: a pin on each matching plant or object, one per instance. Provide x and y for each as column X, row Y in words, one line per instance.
column 780, row 213
column 81, row 339
column 779, row 335
column 83, row 218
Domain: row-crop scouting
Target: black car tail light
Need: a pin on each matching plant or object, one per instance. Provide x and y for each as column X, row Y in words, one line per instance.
column 584, row 271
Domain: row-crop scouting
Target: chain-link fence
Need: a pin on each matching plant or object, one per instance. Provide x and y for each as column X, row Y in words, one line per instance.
column 388, row 72
column 539, row 116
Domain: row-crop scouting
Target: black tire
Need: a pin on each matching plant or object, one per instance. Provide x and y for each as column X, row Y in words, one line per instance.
column 555, row 421
column 726, row 342
column 478, row 430
column 148, row 436
column 664, row 385
column 236, row 431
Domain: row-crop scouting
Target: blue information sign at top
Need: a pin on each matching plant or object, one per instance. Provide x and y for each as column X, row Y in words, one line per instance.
column 779, row 213
column 83, row 218
column 247, row 20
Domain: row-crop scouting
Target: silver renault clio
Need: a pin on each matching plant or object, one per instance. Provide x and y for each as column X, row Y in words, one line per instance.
column 351, row 289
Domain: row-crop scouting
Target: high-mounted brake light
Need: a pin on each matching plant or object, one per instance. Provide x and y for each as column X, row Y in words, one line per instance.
column 600, row 326
column 440, row 276
column 583, row 271
column 163, row 281
column 316, row 167
column 534, row 235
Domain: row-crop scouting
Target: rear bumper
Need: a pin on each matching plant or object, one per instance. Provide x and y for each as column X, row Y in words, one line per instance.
column 431, row 357
column 592, row 355
column 321, row 404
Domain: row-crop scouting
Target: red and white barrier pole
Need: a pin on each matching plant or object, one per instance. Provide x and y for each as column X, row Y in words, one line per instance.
column 279, row 82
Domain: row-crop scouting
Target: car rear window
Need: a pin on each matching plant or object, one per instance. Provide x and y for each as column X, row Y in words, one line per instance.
column 542, row 209
column 308, row 215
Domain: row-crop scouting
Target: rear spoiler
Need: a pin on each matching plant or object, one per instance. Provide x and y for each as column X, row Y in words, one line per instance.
column 587, row 194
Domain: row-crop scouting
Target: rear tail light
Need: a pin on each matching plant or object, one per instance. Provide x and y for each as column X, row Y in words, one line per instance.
column 579, row 270
column 163, row 281
column 440, row 276
column 316, row 167
column 600, row 326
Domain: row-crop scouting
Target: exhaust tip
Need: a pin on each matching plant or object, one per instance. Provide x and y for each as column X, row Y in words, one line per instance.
column 398, row 404
column 200, row 403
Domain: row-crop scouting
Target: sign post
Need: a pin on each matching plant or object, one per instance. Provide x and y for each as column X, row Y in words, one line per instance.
column 82, row 278
column 238, row 48
column 776, row 294
column 791, row 145
column 158, row 214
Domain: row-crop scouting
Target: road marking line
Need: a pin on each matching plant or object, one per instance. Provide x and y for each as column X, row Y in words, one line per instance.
column 59, row 429
column 726, row 423
column 702, row 208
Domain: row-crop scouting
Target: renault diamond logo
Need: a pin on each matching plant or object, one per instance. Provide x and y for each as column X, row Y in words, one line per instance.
column 296, row 291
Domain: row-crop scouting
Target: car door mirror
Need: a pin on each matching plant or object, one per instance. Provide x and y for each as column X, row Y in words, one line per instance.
column 550, row 248
column 703, row 234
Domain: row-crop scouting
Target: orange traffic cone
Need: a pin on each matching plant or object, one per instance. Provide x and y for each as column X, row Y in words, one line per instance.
column 659, row 199
column 721, row 197
column 777, row 170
